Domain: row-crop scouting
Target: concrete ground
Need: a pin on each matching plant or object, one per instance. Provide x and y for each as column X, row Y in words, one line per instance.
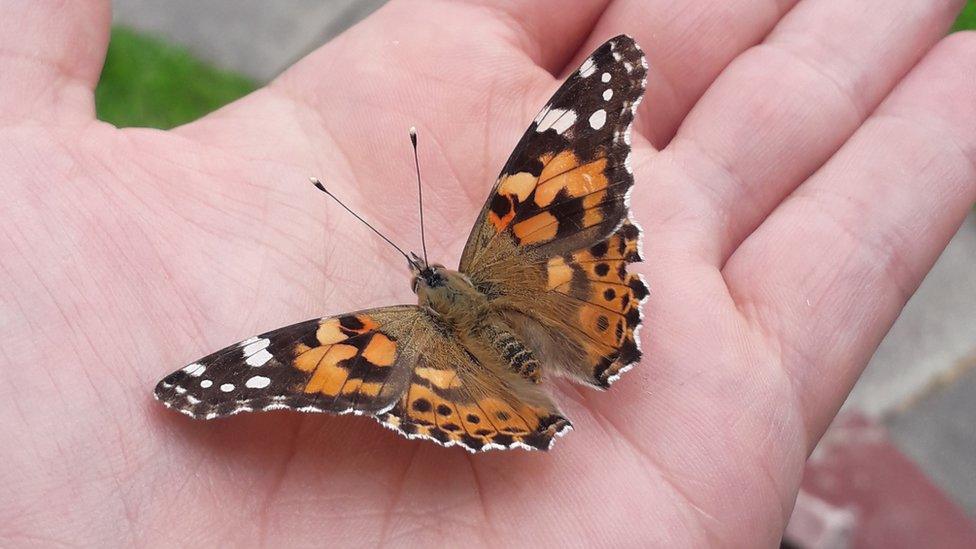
column 258, row 38
column 922, row 381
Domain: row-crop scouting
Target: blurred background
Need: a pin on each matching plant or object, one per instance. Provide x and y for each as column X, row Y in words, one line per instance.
column 901, row 458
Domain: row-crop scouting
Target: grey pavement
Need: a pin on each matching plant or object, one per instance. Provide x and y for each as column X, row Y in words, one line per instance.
column 939, row 433
column 919, row 382
column 935, row 331
column 259, row 38
column 922, row 381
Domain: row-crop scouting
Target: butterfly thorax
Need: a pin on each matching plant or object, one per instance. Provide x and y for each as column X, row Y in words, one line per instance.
column 451, row 295
column 468, row 313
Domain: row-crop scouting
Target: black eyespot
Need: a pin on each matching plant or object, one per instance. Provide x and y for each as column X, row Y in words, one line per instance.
column 351, row 322
column 600, row 249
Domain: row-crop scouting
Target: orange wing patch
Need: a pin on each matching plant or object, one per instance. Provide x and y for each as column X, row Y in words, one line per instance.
column 541, row 227
column 351, row 362
column 566, row 173
column 532, row 207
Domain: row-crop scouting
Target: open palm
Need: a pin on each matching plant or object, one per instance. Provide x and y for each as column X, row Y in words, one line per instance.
column 815, row 157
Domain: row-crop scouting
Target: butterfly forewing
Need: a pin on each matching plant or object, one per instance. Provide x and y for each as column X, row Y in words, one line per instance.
column 565, row 185
column 554, row 239
column 348, row 363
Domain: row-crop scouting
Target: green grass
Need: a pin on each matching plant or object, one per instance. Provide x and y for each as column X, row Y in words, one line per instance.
column 967, row 19
column 148, row 82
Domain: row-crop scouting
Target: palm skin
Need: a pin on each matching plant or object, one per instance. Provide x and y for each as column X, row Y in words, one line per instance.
column 786, row 223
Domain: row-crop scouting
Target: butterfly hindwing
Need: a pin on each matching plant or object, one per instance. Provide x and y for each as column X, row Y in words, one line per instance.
column 355, row 362
column 458, row 397
column 602, row 303
column 552, row 244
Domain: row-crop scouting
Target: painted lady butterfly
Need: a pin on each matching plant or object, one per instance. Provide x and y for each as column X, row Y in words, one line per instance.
column 542, row 288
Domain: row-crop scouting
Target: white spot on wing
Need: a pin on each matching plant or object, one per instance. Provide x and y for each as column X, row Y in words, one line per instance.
column 206, row 384
column 588, row 67
column 605, row 77
column 255, row 346
column 557, row 119
column 607, row 94
column 227, row 387
column 542, row 114
column 598, row 119
column 259, row 358
column 258, row 382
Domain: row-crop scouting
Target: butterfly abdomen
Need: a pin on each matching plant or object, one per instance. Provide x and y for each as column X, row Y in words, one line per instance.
column 514, row 353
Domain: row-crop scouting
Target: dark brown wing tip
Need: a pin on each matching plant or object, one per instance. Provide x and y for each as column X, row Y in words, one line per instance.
column 544, row 439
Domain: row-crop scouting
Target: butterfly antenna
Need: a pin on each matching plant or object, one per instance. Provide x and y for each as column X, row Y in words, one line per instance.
column 420, row 192
column 318, row 185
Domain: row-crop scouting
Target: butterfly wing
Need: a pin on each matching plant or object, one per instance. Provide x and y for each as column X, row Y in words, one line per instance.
column 552, row 243
column 358, row 362
column 402, row 365
column 474, row 401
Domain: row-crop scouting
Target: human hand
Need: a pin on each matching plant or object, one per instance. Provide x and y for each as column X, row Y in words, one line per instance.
column 812, row 183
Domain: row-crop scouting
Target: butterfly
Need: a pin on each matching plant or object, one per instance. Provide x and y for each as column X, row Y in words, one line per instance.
column 542, row 290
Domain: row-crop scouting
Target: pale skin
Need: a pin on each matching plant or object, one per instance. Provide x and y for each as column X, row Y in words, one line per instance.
column 793, row 195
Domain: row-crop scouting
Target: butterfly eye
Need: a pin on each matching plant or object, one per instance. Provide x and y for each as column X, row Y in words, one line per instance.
column 413, row 284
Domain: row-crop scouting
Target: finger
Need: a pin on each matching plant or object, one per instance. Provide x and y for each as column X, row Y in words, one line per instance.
column 51, row 54
column 687, row 44
column 778, row 112
column 444, row 67
column 830, row 270
column 467, row 75
column 544, row 30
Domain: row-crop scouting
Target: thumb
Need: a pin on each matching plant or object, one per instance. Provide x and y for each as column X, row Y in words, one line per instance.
column 51, row 53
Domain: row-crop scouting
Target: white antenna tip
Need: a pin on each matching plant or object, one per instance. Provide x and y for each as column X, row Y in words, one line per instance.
column 413, row 131
column 314, row 180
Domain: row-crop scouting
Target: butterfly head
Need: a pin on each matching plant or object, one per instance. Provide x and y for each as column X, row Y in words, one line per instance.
column 426, row 275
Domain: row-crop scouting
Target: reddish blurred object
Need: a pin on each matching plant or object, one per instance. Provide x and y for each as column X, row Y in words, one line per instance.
column 860, row 492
